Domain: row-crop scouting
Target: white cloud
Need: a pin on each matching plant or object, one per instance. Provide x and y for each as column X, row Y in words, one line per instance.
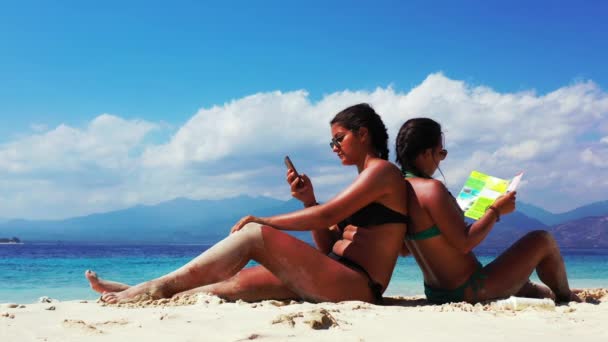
column 525, row 150
column 597, row 159
column 105, row 143
column 68, row 171
column 237, row 148
column 261, row 122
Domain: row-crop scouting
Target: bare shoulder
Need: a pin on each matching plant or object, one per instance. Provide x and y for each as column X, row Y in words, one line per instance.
column 427, row 189
column 386, row 178
column 383, row 168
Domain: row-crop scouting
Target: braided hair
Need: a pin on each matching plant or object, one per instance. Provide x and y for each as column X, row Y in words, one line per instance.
column 415, row 136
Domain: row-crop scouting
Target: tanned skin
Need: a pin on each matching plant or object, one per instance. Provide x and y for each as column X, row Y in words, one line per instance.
column 447, row 260
column 290, row 268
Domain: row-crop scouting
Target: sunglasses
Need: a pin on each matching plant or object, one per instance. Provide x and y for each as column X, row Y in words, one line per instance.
column 443, row 153
column 335, row 142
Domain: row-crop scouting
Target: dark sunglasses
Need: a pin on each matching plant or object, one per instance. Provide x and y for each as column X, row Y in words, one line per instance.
column 336, row 141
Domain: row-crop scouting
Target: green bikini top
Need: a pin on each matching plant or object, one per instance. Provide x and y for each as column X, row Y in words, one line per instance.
column 427, row 233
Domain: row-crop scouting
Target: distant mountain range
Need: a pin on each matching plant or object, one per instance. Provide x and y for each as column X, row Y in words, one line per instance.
column 588, row 232
column 206, row 221
column 176, row 221
column 548, row 218
column 591, row 232
column 510, row 228
column 583, row 227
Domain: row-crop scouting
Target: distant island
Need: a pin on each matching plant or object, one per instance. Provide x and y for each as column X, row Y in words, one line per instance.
column 12, row 240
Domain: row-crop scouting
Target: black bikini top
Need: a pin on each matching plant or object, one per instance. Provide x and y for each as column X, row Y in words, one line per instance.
column 373, row 214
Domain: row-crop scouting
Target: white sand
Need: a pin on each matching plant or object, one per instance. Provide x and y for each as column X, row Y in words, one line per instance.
column 212, row 319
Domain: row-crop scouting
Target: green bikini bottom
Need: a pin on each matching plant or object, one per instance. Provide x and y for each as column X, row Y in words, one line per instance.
column 441, row 296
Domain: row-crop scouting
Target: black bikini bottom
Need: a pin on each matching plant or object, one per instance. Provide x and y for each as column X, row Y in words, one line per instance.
column 374, row 286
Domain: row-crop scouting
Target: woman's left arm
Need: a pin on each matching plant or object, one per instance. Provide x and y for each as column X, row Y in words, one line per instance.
column 370, row 185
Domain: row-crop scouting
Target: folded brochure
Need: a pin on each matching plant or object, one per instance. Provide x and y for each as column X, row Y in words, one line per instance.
column 481, row 190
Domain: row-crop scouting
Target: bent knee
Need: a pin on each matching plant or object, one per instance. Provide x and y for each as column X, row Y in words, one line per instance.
column 251, row 232
column 542, row 236
column 257, row 232
column 251, row 228
column 256, row 228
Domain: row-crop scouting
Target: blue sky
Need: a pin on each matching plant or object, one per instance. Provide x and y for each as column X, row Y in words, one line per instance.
column 155, row 65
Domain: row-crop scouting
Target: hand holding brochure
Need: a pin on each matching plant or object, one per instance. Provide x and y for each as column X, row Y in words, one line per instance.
column 481, row 190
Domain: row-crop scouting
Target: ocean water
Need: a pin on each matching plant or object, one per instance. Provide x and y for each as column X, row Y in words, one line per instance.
column 30, row 271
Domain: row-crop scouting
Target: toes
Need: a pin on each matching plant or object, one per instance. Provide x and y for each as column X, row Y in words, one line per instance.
column 109, row 297
column 90, row 274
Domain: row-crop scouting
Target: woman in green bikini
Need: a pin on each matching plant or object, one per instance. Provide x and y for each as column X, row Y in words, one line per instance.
column 442, row 244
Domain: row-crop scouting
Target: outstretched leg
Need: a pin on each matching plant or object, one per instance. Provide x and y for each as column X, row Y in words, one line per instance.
column 250, row 284
column 303, row 269
column 102, row 285
column 508, row 274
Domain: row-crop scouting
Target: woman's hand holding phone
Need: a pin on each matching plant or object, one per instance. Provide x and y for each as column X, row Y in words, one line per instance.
column 300, row 185
column 301, row 188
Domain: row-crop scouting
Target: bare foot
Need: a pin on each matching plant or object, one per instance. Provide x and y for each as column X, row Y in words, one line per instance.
column 571, row 296
column 534, row 290
column 123, row 297
column 133, row 294
column 101, row 286
column 574, row 298
column 117, row 297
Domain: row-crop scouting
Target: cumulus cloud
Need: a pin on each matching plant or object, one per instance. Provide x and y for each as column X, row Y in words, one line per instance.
column 68, row 171
column 256, row 123
column 597, row 159
column 236, row 148
column 105, row 143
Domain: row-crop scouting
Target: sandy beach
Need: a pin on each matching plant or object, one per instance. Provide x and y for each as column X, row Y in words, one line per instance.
column 208, row 318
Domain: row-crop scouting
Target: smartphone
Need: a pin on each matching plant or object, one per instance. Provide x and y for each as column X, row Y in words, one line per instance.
column 290, row 166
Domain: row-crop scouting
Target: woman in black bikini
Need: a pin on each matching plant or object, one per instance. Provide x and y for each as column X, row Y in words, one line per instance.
column 442, row 244
column 354, row 260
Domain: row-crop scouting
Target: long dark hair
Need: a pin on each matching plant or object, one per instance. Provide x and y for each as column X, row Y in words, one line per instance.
column 363, row 115
column 416, row 136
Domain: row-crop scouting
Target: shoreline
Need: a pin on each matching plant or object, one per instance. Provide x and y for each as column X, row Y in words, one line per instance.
column 209, row 318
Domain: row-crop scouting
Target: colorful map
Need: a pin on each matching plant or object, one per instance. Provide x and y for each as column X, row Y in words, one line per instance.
column 481, row 190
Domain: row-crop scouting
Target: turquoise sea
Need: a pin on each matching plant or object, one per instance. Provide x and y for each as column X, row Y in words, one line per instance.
column 30, row 271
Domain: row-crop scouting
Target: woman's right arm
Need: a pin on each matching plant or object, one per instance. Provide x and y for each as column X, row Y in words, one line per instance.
column 447, row 216
column 326, row 238
column 372, row 183
column 302, row 190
